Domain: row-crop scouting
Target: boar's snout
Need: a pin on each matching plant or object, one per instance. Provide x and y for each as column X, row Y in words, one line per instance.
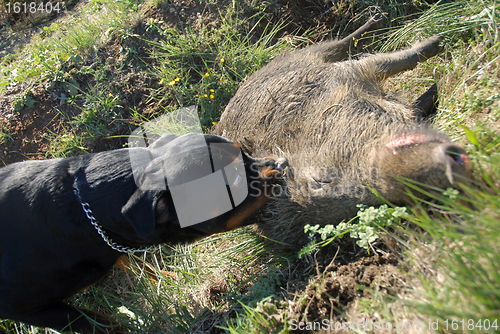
column 432, row 161
column 458, row 165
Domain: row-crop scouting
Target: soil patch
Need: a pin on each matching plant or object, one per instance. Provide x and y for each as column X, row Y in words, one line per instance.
column 340, row 287
column 27, row 132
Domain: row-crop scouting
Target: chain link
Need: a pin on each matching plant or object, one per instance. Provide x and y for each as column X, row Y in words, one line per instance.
column 109, row 241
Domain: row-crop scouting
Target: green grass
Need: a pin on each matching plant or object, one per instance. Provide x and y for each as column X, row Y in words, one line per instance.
column 466, row 256
column 99, row 111
column 50, row 53
column 55, row 60
column 452, row 250
column 189, row 65
column 205, row 66
column 474, row 21
column 454, row 254
column 204, row 281
column 65, row 143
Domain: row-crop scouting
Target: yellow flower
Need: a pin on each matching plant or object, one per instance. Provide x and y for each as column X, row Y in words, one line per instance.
column 205, row 95
column 213, row 123
column 212, row 96
column 161, row 81
column 213, row 91
column 207, row 74
column 197, row 95
column 222, row 60
column 110, row 95
column 210, row 69
column 177, row 79
column 171, row 83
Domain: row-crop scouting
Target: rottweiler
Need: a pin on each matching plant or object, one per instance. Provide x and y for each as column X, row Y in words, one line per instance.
column 65, row 222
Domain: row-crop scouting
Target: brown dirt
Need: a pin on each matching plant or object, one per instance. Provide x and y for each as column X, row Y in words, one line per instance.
column 339, row 288
column 29, row 128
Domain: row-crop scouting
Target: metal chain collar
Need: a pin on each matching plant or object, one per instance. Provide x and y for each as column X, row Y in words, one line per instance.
column 108, row 240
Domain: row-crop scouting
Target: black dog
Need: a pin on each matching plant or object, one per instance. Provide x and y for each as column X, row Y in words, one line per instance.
column 65, row 222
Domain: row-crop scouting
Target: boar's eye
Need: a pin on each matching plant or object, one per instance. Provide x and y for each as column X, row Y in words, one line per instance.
column 238, row 181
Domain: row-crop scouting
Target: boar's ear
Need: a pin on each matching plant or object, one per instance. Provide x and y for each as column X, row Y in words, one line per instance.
column 426, row 105
column 140, row 211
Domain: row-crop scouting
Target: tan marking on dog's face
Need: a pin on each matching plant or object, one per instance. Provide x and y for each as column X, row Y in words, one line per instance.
column 268, row 174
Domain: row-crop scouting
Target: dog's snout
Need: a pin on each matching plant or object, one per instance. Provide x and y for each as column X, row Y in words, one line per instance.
column 274, row 164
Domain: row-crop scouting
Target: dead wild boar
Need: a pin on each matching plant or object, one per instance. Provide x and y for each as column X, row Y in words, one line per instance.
column 345, row 139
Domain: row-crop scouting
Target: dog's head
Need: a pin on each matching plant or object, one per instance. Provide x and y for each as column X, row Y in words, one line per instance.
column 196, row 185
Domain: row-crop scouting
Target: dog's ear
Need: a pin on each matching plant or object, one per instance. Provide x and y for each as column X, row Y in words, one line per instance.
column 140, row 211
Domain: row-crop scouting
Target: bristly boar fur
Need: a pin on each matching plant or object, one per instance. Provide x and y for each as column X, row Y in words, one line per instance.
column 345, row 139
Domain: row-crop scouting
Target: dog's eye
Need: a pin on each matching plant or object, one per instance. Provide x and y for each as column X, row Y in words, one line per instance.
column 238, row 181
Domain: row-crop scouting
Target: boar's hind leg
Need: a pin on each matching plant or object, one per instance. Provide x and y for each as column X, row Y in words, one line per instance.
column 426, row 105
column 389, row 64
column 338, row 50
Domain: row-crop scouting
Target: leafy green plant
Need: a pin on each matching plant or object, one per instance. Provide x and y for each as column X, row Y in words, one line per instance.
column 23, row 100
column 39, row 65
column 370, row 222
column 4, row 133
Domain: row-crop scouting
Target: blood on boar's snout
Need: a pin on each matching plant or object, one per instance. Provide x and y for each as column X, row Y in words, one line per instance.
column 343, row 136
